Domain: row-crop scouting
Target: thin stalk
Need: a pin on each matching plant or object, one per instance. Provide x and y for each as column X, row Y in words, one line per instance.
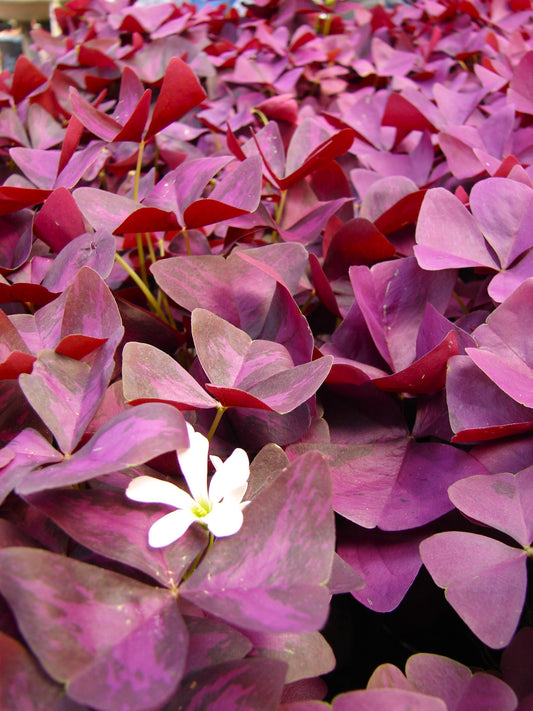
column 138, row 171
column 166, row 304
column 142, row 261
column 460, row 301
column 261, row 115
column 198, row 558
column 278, row 214
column 280, row 206
column 142, row 286
column 187, row 241
column 220, row 411
column 140, row 246
column 151, row 250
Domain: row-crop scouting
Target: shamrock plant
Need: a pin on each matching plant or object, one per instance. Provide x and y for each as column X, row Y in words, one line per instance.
column 266, row 286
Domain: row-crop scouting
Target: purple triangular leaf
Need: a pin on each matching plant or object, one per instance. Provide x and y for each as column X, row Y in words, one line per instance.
column 271, row 575
column 62, row 391
column 133, row 630
column 388, row 563
column 394, row 485
column 24, row 682
column 454, row 683
column 108, row 523
column 95, row 250
column 478, row 409
column 150, row 374
column 485, row 581
column 503, row 209
column 503, row 501
column 131, row 438
column 447, row 235
column 25, row 452
column 212, row 642
column 387, row 699
column 251, row 683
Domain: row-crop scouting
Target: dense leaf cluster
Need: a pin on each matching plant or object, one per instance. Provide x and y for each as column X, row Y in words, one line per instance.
column 307, row 231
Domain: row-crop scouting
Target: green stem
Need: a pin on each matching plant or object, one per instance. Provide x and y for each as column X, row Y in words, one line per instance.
column 142, row 262
column 220, row 411
column 460, row 301
column 187, row 241
column 151, row 250
column 138, row 171
column 278, row 213
column 142, row 286
column 199, row 558
column 261, row 115
column 166, row 304
column 280, row 206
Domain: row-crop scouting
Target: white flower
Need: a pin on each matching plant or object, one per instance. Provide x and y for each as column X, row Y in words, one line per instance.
column 219, row 509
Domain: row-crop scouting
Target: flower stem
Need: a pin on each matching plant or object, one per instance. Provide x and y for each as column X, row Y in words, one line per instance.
column 220, row 411
column 142, row 286
column 198, row 558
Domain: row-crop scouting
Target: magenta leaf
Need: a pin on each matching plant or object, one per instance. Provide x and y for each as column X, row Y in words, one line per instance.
column 108, row 523
column 394, row 485
column 393, row 314
column 520, row 85
column 453, row 682
column 388, row 563
column 427, row 374
column 59, row 220
column 236, row 288
column 25, row 452
column 236, row 194
column 130, row 438
column 133, row 630
column 252, row 683
column 271, row 575
column 87, row 307
column 212, row 642
column 23, row 681
column 485, row 581
column 91, row 249
column 97, row 122
column 357, row 242
column 504, row 353
column 149, row 374
column 503, row 209
column 503, row 501
column 306, row 655
column 490, row 414
column 65, row 393
column 448, row 236
column 180, row 92
column 387, row 699
column 246, row 373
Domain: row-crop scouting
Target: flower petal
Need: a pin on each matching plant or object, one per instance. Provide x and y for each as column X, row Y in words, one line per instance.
column 235, row 496
column 171, row 527
column 149, row 490
column 193, row 463
column 224, row 520
column 229, row 475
